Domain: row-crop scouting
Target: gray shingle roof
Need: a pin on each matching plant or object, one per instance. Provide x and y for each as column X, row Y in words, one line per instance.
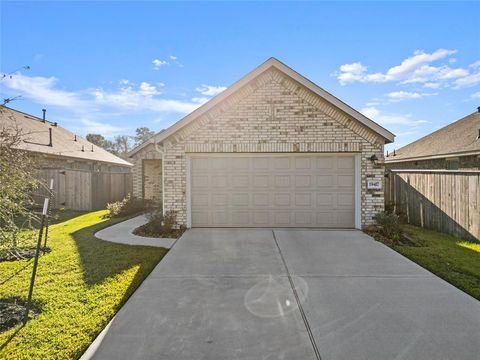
column 36, row 139
column 459, row 137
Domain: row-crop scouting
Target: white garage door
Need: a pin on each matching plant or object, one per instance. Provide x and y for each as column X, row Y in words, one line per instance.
column 272, row 191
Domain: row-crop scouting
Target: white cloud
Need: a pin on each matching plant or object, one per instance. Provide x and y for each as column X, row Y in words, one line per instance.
column 432, row 85
column 147, row 89
column 143, row 98
column 470, row 80
column 157, row 63
column 210, row 90
column 475, row 95
column 94, row 127
column 172, row 57
column 406, row 95
column 414, row 69
column 42, row 90
column 200, row 100
column 390, row 119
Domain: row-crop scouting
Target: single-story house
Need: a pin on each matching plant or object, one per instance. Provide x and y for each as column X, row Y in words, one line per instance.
column 453, row 147
column 272, row 150
column 86, row 177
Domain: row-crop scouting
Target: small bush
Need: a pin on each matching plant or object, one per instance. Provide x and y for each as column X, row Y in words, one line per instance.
column 386, row 229
column 160, row 225
column 389, row 225
column 128, row 206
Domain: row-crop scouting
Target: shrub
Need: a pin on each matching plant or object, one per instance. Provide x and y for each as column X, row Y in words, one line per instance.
column 160, row 225
column 389, row 225
column 128, row 206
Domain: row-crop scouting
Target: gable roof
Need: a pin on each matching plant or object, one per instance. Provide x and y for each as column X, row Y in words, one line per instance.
column 458, row 138
column 272, row 62
column 63, row 141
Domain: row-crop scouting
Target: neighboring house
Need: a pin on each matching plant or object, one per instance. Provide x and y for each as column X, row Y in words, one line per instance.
column 453, row 147
column 85, row 176
column 274, row 149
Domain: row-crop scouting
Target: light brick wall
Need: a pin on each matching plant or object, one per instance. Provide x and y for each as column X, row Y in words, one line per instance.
column 272, row 113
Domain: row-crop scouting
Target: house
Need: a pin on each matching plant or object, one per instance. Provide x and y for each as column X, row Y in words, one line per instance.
column 86, row 177
column 274, row 149
column 453, row 147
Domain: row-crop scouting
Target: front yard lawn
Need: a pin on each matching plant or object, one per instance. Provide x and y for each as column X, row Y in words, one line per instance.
column 80, row 285
column 448, row 257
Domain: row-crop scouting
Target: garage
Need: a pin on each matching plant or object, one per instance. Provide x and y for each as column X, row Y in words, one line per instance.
column 272, row 150
column 272, row 190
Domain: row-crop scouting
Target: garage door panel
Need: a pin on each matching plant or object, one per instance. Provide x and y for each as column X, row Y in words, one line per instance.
column 261, row 199
column 282, row 181
column 273, row 191
column 220, row 200
column 241, row 199
column 260, row 181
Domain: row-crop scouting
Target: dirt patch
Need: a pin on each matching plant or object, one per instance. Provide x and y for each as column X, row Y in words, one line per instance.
column 12, row 311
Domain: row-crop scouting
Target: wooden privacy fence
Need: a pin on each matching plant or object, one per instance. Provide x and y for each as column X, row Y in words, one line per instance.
column 83, row 189
column 444, row 200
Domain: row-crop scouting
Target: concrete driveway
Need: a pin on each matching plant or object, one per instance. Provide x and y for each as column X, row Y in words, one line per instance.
column 291, row 294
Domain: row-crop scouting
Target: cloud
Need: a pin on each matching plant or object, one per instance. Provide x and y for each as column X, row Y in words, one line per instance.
column 200, row 100
column 142, row 98
column 470, row 80
column 94, row 127
column 172, row 57
column 42, row 90
column 406, row 95
column 390, row 119
column 157, row 63
column 210, row 90
column 414, row 69
column 475, row 95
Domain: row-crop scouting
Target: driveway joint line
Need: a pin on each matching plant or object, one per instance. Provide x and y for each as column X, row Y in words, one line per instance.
column 297, row 299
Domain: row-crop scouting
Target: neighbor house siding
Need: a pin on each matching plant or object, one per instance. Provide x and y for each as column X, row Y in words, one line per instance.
column 271, row 114
column 465, row 163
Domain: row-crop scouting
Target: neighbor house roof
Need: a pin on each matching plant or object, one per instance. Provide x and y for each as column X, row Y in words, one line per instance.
column 272, row 62
column 457, row 139
column 36, row 139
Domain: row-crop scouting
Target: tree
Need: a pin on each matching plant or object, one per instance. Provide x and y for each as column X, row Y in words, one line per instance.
column 143, row 134
column 18, row 179
column 99, row 140
column 122, row 145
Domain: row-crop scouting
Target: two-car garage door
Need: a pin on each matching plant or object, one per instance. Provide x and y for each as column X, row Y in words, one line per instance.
column 287, row 190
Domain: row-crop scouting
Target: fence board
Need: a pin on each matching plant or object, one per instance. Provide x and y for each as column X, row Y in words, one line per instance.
column 83, row 190
column 443, row 200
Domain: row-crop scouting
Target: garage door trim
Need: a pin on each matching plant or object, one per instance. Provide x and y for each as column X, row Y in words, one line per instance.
column 357, row 172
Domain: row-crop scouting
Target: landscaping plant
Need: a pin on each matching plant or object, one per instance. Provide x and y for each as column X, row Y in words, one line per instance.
column 161, row 225
column 128, row 206
column 18, row 179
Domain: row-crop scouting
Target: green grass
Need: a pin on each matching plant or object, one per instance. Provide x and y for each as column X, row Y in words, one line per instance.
column 448, row 257
column 80, row 285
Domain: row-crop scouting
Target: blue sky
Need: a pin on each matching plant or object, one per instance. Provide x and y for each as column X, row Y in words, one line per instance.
column 110, row 67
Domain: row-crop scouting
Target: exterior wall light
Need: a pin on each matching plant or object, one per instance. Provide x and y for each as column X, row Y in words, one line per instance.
column 374, row 159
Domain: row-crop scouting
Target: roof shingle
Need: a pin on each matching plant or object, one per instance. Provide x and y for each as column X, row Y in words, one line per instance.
column 36, row 139
column 459, row 137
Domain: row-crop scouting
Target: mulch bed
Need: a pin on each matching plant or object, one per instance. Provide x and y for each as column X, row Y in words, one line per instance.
column 147, row 230
column 12, row 311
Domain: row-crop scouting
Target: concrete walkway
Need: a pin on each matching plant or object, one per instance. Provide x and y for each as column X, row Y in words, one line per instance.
column 291, row 294
column 122, row 233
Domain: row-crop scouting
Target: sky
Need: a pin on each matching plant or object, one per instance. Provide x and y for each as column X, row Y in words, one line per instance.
column 112, row 66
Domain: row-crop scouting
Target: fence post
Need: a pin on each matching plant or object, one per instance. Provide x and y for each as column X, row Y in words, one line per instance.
column 47, row 219
column 35, row 261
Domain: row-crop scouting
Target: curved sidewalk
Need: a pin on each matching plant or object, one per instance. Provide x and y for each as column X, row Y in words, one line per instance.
column 122, row 233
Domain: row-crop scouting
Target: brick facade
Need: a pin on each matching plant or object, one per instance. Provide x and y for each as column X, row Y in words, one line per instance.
column 271, row 114
column 464, row 163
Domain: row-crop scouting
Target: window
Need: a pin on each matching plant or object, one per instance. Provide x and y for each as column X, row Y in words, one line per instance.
column 453, row 164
